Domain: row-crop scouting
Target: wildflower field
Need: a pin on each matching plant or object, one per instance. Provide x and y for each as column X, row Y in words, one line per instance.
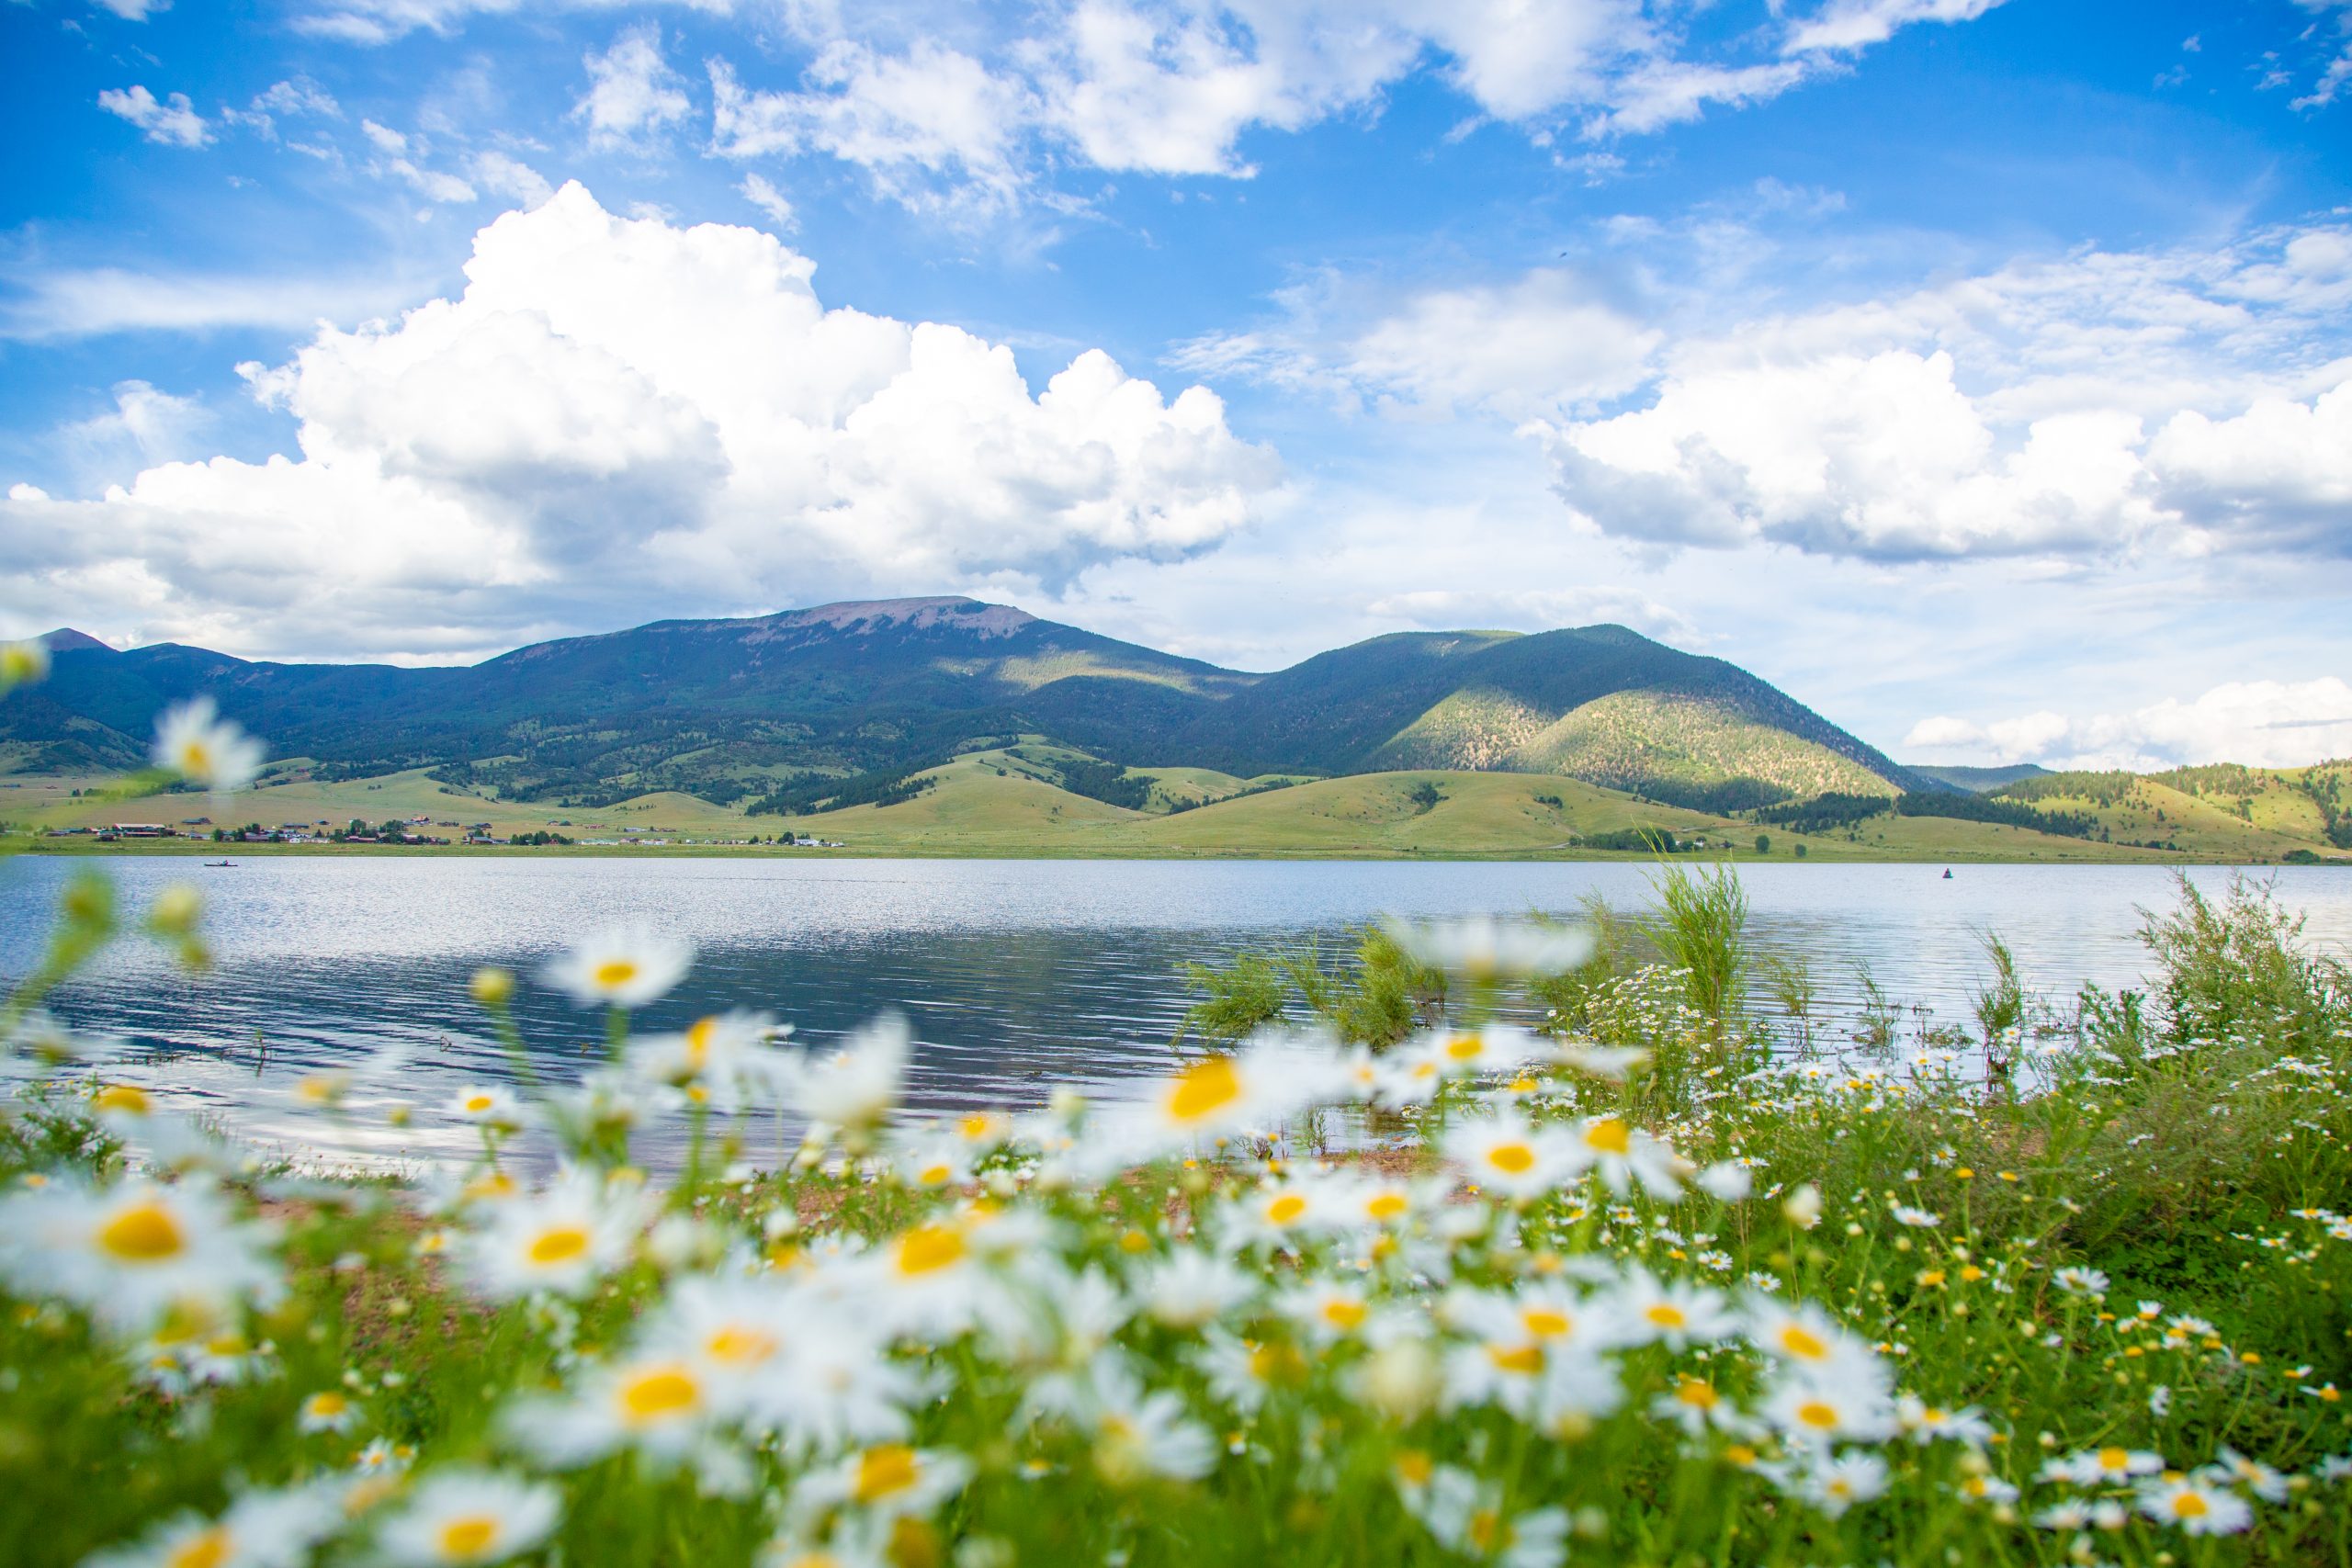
column 1685, row 1275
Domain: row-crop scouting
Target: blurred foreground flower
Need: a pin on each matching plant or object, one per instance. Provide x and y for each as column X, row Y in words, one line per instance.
column 22, row 663
column 1486, row 949
column 626, row 968
column 194, row 741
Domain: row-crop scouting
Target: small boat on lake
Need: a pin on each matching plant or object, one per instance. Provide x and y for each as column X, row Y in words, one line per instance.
column 216, row 864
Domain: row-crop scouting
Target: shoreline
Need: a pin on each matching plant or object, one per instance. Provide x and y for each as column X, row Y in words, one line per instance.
column 1820, row 855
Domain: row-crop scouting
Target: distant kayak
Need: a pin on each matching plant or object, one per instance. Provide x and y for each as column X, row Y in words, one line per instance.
column 216, row 864
column 1947, row 873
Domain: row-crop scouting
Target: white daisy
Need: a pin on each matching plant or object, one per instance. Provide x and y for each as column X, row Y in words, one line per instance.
column 1192, row 1287
column 855, row 1086
column 1677, row 1316
column 131, row 1252
column 562, row 1241
column 260, row 1530
column 888, row 1480
column 1834, row 1486
column 462, row 1516
column 1483, row 948
column 624, row 968
column 1625, row 1155
column 1505, row 1153
column 195, row 742
column 2198, row 1506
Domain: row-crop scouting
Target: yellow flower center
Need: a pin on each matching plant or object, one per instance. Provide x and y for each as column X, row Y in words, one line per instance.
column 121, row 1097
column 196, row 757
column 1697, row 1394
column 1610, row 1136
column 1464, row 1047
column 1516, row 1158
column 1414, row 1468
column 2189, row 1506
column 466, row 1537
column 1525, row 1359
column 1204, row 1089
column 1545, row 1323
column 1387, row 1206
column 327, row 1406
column 1277, row 1363
column 615, row 973
column 658, row 1394
column 209, row 1549
column 976, row 1127
column 559, row 1244
column 478, row 1103
column 698, row 1040
column 1286, row 1208
column 883, row 1470
column 1343, row 1313
column 741, row 1344
column 1804, row 1345
column 926, row 1250
column 1818, row 1414
column 1487, row 1532
column 1666, row 1314
column 144, row 1233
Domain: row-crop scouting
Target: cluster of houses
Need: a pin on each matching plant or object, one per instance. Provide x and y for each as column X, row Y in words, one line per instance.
column 479, row 833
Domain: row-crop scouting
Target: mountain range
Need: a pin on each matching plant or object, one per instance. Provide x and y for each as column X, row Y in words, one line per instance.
column 868, row 691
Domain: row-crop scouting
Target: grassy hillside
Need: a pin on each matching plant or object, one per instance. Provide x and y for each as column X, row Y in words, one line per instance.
column 2222, row 811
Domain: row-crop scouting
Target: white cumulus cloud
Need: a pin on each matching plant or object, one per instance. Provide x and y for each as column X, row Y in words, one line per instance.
column 622, row 414
column 2264, row 724
column 171, row 123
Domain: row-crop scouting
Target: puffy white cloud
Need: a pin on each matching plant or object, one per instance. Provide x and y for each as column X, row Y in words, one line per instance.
column 619, row 415
column 2184, row 400
column 2268, row 724
column 175, row 123
column 632, row 91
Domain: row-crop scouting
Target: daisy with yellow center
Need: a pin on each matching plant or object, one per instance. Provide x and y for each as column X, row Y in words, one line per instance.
column 132, row 1253
column 459, row 1518
column 195, row 742
column 559, row 1241
column 623, row 968
column 1508, row 1156
column 331, row 1410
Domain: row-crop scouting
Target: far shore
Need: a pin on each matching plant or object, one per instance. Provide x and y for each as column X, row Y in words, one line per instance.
column 1818, row 853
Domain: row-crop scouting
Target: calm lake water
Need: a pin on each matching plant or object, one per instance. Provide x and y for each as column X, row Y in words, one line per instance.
column 1019, row 975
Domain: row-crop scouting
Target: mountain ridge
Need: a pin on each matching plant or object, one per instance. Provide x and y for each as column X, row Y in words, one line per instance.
column 729, row 707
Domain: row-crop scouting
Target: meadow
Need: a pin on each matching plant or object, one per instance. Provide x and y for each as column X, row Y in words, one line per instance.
column 1690, row 1273
column 1001, row 802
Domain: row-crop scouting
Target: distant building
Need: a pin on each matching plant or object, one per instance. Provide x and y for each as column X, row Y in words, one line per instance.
column 142, row 831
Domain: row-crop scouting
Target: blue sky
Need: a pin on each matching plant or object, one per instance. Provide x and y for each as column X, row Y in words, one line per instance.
column 1978, row 371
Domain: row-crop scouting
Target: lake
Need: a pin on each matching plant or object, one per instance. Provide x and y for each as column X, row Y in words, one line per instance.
column 1019, row 975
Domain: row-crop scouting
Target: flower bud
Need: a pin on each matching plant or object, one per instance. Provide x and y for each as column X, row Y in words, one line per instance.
column 491, row 986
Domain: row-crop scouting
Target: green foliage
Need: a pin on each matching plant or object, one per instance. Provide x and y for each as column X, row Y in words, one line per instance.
column 1380, row 996
column 1701, row 928
column 1826, row 813
column 807, row 797
column 1997, row 807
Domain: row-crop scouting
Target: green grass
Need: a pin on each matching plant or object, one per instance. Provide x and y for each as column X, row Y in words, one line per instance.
column 976, row 809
